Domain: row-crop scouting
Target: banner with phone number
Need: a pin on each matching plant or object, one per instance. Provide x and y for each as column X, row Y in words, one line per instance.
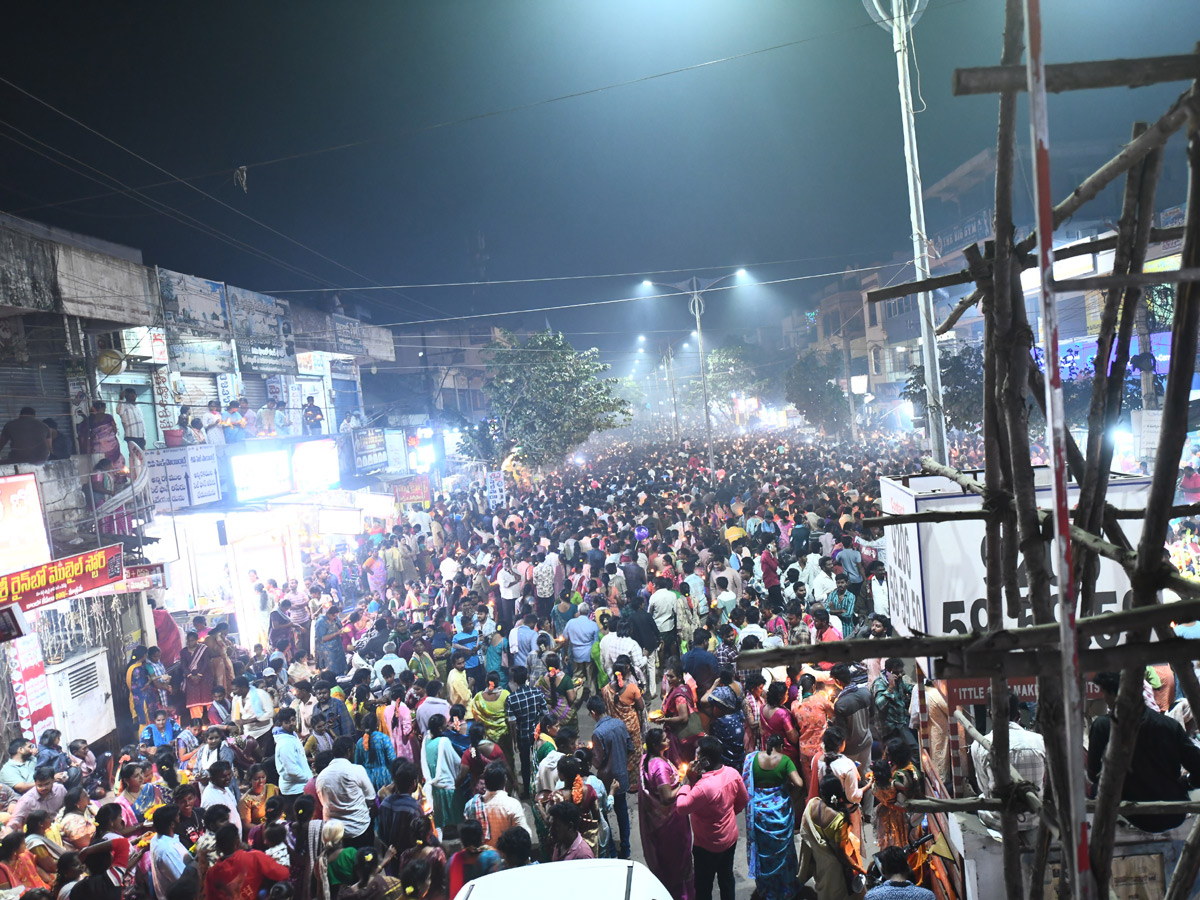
column 61, row 579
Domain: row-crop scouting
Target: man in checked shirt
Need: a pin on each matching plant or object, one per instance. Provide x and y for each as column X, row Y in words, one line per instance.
column 1026, row 751
column 524, row 708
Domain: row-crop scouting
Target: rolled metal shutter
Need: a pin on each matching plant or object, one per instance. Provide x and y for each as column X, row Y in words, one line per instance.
column 255, row 388
column 42, row 386
column 198, row 391
column 345, row 399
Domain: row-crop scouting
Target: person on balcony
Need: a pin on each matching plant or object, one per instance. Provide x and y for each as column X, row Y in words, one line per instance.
column 98, row 436
column 132, row 420
column 29, row 438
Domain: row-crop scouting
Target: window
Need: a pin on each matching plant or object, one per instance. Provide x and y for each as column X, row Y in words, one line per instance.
column 876, row 366
column 872, row 317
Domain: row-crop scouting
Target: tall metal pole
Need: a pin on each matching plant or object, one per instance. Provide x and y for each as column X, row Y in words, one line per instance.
column 657, row 402
column 935, row 418
column 1075, row 837
column 697, row 307
column 678, row 431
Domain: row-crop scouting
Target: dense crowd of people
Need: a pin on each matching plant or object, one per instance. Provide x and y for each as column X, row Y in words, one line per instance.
column 484, row 688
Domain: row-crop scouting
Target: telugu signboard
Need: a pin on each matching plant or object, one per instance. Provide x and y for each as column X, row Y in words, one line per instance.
column 370, row 450
column 31, row 688
column 348, row 335
column 412, row 490
column 262, row 327
column 183, row 476
column 62, row 579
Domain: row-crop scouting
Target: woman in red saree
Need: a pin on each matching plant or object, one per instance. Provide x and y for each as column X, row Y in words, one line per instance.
column 678, row 708
column 195, row 659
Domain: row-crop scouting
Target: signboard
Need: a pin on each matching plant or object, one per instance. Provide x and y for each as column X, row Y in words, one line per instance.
column 183, row 476
column 62, row 579
column 397, row 449
column 229, row 388
column 23, row 539
column 1169, row 218
column 96, row 285
column 977, row 691
column 379, row 343
column 348, row 335
column 315, row 466
column 262, row 328
column 31, row 688
column 412, row 490
column 259, row 475
column 191, row 354
column 495, row 489
column 1151, row 428
column 370, row 450
column 314, row 362
column 193, row 305
column 936, row 571
column 164, row 399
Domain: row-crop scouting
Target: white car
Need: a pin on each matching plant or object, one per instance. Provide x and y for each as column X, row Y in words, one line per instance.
column 586, row 879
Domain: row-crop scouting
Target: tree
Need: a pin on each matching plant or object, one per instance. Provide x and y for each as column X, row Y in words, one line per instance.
column 547, row 397
column 813, row 388
column 962, row 387
column 730, row 371
column 630, row 390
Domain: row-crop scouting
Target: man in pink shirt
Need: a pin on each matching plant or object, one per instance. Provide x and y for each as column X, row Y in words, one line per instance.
column 712, row 796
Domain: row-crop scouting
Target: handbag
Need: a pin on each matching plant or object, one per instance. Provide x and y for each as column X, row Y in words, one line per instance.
column 693, row 728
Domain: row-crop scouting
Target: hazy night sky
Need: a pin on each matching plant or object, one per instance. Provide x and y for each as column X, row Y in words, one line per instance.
column 788, row 154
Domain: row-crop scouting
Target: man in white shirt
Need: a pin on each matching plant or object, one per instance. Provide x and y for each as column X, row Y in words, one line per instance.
column 132, row 420
column 290, row 759
column 510, row 587
column 254, row 710
column 449, row 566
column 221, row 790
column 389, row 658
column 345, row 792
column 168, row 857
column 662, row 608
column 420, row 519
column 1027, row 753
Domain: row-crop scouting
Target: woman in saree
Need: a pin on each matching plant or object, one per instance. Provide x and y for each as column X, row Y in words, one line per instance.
column 812, row 712
column 896, row 781
column 140, row 690
column 399, row 721
column 482, row 752
column 830, row 850
column 494, row 657
column 374, row 751
column 17, row 868
column 280, row 627
column 158, row 683
column 77, row 821
column 560, row 692
column 623, row 700
column 776, row 720
column 422, row 663
column 439, row 766
column 45, row 851
column 136, row 797
column 726, row 722
column 545, row 778
column 835, row 762
column 487, row 708
column 752, row 704
column 666, row 833
column 678, row 706
column 545, row 735
column 573, row 789
column 218, row 655
column 771, row 782
column 304, row 842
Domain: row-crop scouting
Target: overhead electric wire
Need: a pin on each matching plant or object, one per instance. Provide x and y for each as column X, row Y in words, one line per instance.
column 193, row 187
column 475, row 117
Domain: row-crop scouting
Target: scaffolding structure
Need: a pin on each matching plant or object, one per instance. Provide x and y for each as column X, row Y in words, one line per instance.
column 1065, row 540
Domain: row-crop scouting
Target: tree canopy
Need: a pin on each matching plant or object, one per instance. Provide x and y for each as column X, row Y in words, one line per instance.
column 547, row 397
column 812, row 387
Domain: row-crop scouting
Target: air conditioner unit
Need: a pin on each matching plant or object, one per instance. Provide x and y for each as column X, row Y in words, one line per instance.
column 81, row 695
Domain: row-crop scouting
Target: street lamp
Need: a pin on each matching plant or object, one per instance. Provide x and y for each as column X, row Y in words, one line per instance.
column 696, row 287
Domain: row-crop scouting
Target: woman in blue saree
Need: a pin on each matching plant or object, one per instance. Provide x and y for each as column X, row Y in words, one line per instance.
column 771, row 781
column 726, row 722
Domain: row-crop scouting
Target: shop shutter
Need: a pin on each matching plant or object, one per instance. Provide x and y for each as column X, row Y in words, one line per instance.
column 255, row 387
column 198, row 390
column 42, row 386
column 345, row 399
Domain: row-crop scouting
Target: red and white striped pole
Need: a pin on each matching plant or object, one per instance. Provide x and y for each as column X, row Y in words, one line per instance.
column 1076, row 836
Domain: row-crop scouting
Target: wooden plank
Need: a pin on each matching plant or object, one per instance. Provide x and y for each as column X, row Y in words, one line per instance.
column 1080, row 76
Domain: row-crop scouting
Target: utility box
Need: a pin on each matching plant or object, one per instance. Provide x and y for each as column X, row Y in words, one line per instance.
column 81, row 694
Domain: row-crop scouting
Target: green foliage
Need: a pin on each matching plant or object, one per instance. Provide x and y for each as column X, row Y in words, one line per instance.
column 547, row 397
column 962, row 388
column 812, row 387
column 730, row 370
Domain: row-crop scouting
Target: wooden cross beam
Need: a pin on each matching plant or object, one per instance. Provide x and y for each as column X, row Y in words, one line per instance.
column 1080, row 76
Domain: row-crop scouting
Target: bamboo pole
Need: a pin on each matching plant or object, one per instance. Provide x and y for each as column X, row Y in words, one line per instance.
column 1133, row 279
column 988, row 804
column 1081, row 76
column 960, row 309
column 1038, row 660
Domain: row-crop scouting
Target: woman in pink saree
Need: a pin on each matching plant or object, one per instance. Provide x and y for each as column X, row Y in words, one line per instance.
column 678, row 707
column 776, row 719
column 666, row 833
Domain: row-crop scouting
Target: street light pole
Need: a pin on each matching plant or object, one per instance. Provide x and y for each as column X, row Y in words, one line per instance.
column 670, row 360
column 899, row 17
column 696, row 305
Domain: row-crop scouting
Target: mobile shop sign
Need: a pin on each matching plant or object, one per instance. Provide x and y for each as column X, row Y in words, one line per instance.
column 412, row 490
column 937, row 574
column 62, row 579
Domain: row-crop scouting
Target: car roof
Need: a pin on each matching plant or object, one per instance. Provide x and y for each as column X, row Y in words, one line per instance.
column 601, row 879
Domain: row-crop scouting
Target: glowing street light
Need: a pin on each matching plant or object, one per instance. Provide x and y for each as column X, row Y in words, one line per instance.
column 740, row 273
column 647, row 283
column 641, row 338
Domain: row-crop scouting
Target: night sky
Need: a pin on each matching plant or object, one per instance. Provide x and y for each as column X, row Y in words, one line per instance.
column 790, row 154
